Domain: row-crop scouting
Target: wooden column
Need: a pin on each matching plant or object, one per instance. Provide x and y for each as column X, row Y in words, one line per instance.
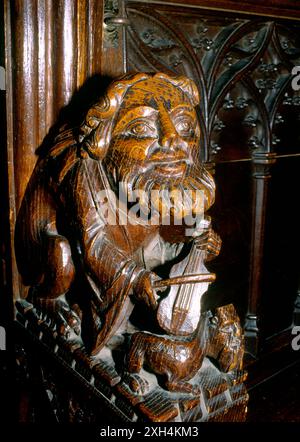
column 114, row 59
column 52, row 47
column 261, row 176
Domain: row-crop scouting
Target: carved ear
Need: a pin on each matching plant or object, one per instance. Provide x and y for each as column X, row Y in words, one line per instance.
column 94, row 132
column 96, row 141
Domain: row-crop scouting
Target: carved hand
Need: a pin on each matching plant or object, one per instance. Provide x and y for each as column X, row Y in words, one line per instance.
column 210, row 241
column 143, row 289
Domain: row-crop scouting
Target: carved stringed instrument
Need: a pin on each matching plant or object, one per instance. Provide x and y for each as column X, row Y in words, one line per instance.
column 179, row 312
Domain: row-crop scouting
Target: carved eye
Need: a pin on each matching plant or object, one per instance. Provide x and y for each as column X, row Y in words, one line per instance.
column 185, row 127
column 141, row 129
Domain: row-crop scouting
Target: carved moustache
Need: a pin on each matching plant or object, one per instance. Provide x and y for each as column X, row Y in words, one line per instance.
column 176, row 197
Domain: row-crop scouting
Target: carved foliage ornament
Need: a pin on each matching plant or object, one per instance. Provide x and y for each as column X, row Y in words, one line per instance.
column 240, row 65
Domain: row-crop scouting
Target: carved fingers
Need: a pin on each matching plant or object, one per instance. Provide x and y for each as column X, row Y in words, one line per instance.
column 214, row 243
column 211, row 242
column 144, row 291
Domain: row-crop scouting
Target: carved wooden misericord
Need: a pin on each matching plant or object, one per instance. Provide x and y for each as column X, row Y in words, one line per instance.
column 113, row 240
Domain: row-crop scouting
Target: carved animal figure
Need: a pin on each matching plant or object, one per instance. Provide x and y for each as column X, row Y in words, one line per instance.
column 218, row 336
column 177, row 360
column 226, row 339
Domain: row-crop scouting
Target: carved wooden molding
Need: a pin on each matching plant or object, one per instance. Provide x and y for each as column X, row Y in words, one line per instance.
column 269, row 8
column 51, row 49
column 241, row 66
column 113, row 22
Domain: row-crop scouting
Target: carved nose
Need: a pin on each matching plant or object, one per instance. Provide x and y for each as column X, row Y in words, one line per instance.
column 169, row 138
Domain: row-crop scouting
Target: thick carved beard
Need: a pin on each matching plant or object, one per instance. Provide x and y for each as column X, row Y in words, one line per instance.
column 175, row 198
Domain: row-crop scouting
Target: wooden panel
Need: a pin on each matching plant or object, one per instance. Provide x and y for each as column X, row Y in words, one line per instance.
column 4, row 221
column 275, row 8
column 231, row 217
column 281, row 260
column 114, row 39
column 242, row 65
column 52, row 47
column 53, row 55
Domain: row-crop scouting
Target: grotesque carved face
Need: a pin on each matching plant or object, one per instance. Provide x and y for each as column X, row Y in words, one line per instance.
column 156, row 130
column 154, row 144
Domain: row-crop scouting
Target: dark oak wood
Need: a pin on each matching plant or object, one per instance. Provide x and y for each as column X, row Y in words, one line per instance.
column 53, row 47
column 86, row 165
column 50, row 51
column 90, row 270
column 186, row 39
column 261, row 174
column 273, row 8
column 89, row 391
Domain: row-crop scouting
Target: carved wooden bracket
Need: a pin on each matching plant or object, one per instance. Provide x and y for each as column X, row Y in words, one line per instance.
column 113, row 239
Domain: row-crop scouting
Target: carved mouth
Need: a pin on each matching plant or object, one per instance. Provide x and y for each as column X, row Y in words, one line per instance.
column 165, row 157
column 171, row 166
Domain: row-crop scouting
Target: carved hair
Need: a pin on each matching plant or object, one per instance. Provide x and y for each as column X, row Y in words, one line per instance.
column 95, row 131
column 94, row 134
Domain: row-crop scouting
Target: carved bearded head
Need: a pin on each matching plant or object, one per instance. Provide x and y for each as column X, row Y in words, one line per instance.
column 146, row 132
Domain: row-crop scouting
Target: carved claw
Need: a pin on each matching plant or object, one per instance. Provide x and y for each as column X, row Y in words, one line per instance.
column 137, row 384
column 183, row 387
column 57, row 311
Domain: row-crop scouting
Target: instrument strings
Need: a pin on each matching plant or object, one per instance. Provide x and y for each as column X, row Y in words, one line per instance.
column 184, row 297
